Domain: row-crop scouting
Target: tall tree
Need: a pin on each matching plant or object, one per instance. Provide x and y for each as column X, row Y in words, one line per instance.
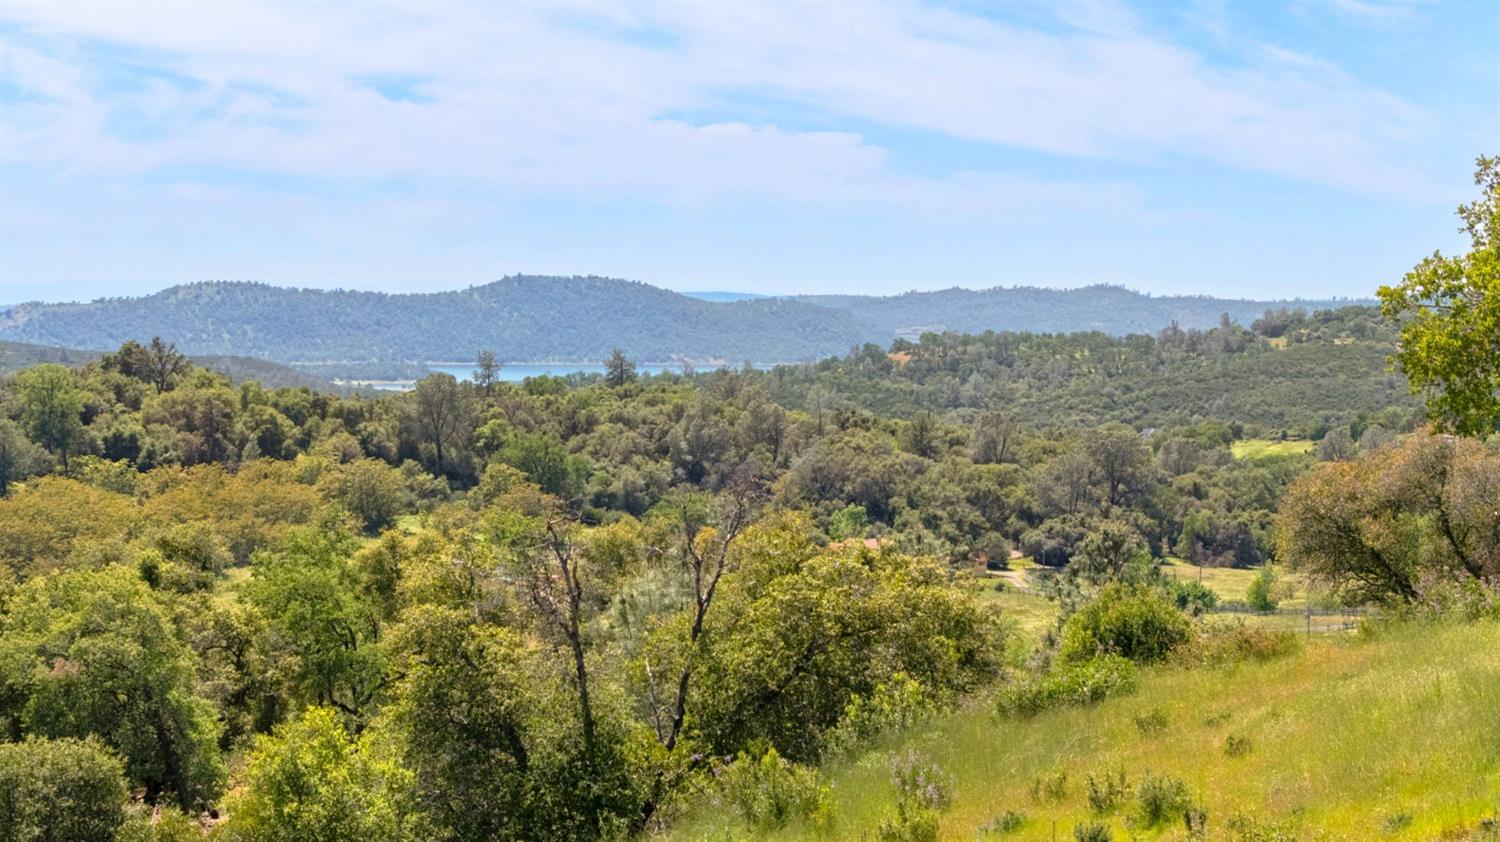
column 618, row 369
column 18, row 456
column 51, row 408
column 163, row 363
column 1449, row 310
column 438, row 413
column 486, row 372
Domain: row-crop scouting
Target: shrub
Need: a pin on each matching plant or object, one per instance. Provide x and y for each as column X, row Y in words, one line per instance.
column 1052, row 786
column 1153, row 721
column 1161, row 799
column 921, row 781
column 892, row 706
column 59, row 789
column 1246, row 829
column 1009, row 821
column 1092, row 832
column 1134, row 623
column 1107, row 791
column 922, row 792
column 1261, row 595
column 1396, row 822
column 1235, row 641
column 1194, row 597
column 162, row 824
column 1084, row 683
column 1195, row 819
column 1236, row 745
column 771, row 790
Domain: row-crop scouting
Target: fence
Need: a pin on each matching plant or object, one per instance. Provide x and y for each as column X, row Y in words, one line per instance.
column 1349, row 618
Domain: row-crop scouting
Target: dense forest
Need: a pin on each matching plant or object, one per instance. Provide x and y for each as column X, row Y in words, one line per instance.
column 519, row 319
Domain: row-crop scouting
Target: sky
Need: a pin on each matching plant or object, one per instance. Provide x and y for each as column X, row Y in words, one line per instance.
column 1255, row 150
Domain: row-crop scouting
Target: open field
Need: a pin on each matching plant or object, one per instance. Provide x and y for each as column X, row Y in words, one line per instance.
column 1263, row 448
column 1394, row 737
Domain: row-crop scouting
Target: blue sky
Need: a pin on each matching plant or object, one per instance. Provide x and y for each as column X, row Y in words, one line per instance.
column 1258, row 150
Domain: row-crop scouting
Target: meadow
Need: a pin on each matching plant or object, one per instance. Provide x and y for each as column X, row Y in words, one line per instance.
column 1389, row 734
column 1266, row 448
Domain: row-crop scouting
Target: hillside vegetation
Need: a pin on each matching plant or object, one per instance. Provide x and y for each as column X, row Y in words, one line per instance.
column 526, row 318
column 15, row 356
column 1394, row 735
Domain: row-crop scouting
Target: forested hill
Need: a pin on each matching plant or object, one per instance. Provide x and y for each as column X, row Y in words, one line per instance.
column 527, row 318
column 519, row 318
column 1108, row 309
column 17, row 356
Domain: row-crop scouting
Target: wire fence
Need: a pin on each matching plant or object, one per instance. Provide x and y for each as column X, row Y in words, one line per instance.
column 1316, row 619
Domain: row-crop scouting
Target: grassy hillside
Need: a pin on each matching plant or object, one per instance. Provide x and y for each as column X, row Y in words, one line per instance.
column 1266, row 448
column 1392, row 737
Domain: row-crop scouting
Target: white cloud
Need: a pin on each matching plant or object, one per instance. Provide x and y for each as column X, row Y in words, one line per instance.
column 590, row 99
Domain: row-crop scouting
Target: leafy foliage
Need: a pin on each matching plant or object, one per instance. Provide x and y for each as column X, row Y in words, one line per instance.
column 59, row 789
column 1449, row 310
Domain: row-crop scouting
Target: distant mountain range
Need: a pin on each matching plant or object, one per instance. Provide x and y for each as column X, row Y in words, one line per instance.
column 535, row 319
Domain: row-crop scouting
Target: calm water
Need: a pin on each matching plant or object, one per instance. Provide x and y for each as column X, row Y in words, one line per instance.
column 516, row 372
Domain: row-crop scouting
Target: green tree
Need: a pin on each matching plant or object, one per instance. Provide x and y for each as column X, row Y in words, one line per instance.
column 439, row 415
column 19, row 458
column 464, row 706
column 544, row 460
column 1261, row 595
column 618, row 369
column 1449, row 311
column 486, row 372
column 96, row 653
column 1372, row 528
column 370, row 489
column 51, row 408
column 59, row 790
column 312, row 599
column 311, row 782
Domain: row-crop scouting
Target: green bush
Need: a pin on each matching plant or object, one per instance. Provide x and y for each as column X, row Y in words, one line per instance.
column 162, row 824
column 1236, row 745
column 1009, row 821
column 1107, row 791
column 1069, row 684
column 1261, row 595
column 1135, row 623
column 770, row 791
column 1230, row 642
column 893, row 705
column 1194, row 597
column 1092, row 832
column 923, row 791
column 60, row 789
column 1161, row 799
column 1052, row 786
column 1153, row 721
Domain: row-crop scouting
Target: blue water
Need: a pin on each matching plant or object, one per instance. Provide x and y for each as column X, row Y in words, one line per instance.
column 516, row 372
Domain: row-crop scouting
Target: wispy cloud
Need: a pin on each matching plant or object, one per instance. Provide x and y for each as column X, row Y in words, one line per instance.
column 576, row 98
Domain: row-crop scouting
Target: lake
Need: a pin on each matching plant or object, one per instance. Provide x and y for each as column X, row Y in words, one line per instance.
column 517, row 372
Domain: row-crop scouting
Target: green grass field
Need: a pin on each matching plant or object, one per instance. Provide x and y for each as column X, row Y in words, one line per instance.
column 1263, row 448
column 1392, row 737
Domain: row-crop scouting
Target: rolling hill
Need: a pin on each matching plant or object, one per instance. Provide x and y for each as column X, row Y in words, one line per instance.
column 532, row 319
column 15, row 356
